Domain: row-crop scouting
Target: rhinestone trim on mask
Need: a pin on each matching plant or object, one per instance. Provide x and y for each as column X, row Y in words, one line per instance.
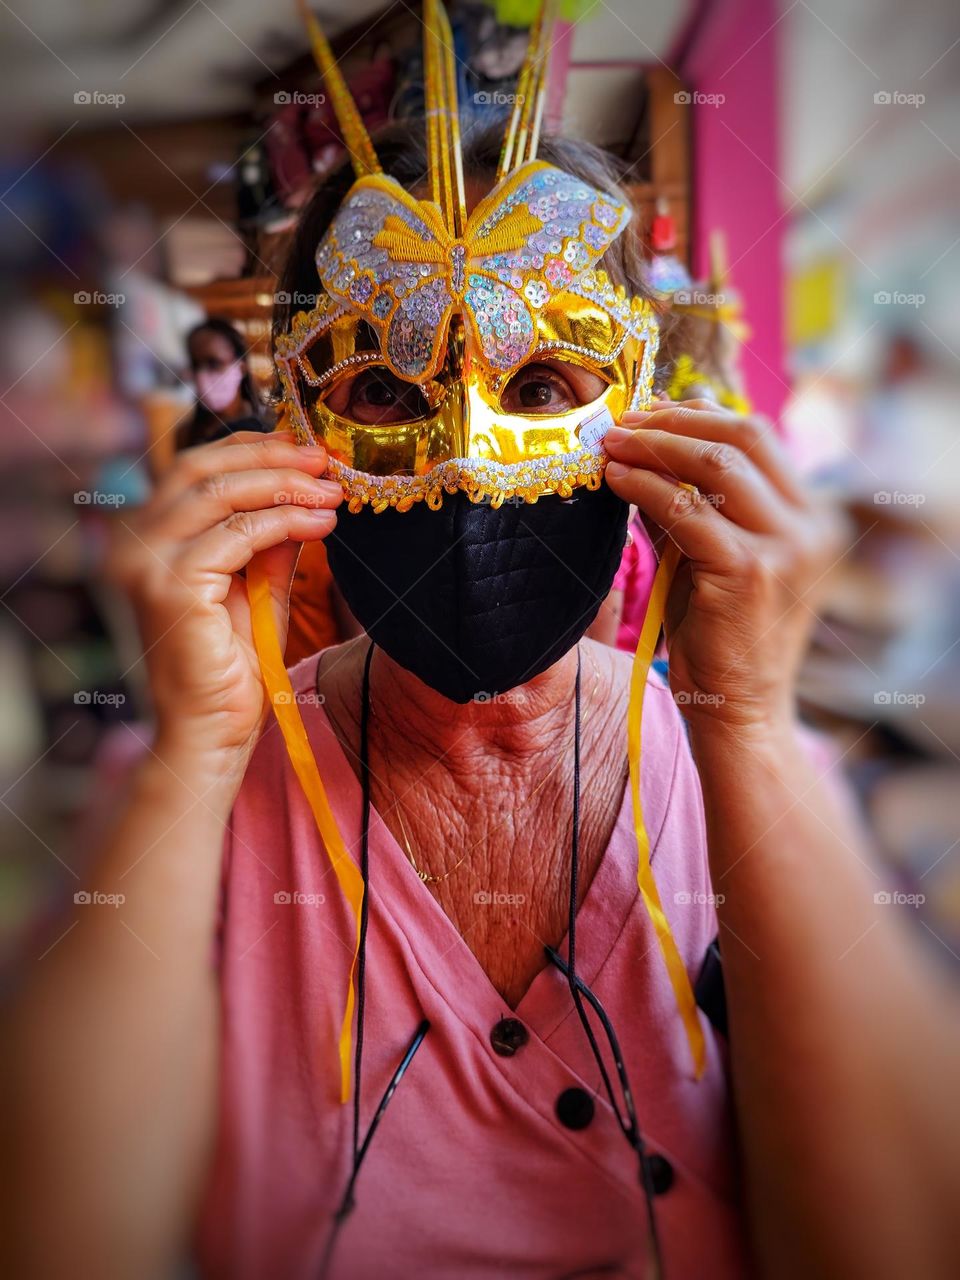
column 348, row 362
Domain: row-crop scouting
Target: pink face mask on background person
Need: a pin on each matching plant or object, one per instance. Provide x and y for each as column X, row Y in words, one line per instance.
column 218, row 390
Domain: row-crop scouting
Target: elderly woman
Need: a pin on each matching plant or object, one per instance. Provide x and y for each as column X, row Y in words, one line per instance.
column 534, row 1092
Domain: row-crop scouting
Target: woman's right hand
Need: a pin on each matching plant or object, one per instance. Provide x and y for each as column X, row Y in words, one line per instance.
column 178, row 557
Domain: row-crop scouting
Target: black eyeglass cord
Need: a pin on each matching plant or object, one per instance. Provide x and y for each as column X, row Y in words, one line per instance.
column 578, row 990
column 360, row 1150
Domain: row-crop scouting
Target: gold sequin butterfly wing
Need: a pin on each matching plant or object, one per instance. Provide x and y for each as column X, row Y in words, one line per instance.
column 387, row 257
column 531, row 238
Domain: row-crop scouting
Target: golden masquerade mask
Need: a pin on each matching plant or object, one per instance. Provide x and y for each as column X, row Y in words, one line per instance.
column 442, row 313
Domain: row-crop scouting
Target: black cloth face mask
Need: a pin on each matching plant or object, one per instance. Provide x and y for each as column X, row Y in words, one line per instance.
column 475, row 600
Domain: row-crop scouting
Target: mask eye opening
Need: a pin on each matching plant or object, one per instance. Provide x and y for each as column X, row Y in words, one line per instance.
column 577, row 381
column 369, row 394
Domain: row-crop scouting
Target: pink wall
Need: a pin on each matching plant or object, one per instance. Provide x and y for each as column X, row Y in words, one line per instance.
column 734, row 50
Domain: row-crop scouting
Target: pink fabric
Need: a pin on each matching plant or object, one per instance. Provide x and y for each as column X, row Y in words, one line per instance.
column 634, row 579
column 470, row 1174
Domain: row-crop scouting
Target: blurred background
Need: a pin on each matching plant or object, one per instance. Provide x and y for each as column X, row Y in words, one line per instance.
column 796, row 172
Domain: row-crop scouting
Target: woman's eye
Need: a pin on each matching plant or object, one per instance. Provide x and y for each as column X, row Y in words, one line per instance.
column 538, row 389
column 375, row 396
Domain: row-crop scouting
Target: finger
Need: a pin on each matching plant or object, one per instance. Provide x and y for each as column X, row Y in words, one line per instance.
column 246, row 451
column 695, row 402
column 755, row 436
column 222, row 493
column 697, row 528
column 230, row 545
column 738, row 487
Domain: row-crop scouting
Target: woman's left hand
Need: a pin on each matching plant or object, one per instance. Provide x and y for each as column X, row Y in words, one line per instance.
column 756, row 547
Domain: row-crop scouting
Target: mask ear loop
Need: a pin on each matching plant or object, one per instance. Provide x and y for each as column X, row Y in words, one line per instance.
column 284, row 703
column 642, row 661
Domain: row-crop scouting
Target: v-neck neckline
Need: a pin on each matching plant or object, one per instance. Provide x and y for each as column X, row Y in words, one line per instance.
column 435, row 942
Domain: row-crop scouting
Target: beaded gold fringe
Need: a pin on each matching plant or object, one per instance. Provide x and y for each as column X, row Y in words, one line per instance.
column 483, row 482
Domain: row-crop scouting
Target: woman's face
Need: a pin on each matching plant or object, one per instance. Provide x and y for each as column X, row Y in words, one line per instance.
column 217, row 370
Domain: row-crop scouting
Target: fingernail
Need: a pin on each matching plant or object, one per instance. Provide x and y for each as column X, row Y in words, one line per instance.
column 616, row 470
column 618, row 435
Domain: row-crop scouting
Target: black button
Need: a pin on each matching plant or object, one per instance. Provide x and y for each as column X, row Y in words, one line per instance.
column 661, row 1173
column 574, row 1108
column 508, row 1036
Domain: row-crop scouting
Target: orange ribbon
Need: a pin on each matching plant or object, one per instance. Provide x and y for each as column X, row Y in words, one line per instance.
column 285, row 708
column 643, row 658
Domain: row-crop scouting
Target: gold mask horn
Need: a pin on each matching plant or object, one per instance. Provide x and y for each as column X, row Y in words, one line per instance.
column 354, row 133
column 444, row 158
column 523, row 130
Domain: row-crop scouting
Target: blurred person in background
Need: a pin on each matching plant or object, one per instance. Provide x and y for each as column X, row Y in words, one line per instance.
column 227, row 400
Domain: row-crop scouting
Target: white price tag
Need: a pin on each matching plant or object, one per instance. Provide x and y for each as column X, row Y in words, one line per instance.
column 594, row 427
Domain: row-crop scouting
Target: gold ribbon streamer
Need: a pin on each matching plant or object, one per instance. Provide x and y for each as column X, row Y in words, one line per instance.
column 646, row 647
column 285, row 708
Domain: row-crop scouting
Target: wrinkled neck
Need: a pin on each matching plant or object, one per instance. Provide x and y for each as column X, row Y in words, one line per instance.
column 520, row 723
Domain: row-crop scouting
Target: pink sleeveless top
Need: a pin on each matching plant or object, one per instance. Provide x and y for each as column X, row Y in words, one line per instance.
column 471, row 1173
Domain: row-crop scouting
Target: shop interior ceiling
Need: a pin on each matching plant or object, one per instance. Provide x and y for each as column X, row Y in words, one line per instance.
column 190, row 58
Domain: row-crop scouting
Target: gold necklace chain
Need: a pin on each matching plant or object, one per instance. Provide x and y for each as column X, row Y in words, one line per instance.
column 425, row 876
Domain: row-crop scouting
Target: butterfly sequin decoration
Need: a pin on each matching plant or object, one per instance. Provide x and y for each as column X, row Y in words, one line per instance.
column 390, row 258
